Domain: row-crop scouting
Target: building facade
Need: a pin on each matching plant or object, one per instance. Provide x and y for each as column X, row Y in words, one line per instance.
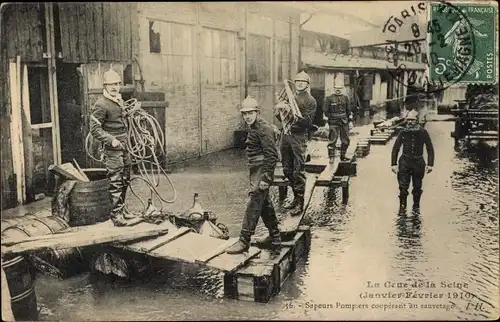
column 201, row 58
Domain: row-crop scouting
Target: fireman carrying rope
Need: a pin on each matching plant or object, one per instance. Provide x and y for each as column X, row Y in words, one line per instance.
column 128, row 135
column 293, row 144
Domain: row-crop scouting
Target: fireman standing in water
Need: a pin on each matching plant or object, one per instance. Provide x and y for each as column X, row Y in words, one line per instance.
column 411, row 163
column 338, row 111
column 262, row 156
column 293, row 145
column 109, row 127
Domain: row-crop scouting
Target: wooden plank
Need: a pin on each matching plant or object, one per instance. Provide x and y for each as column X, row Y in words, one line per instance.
column 291, row 223
column 27, row 137
column 82, row 33
column 127, row 32
column 107, row 31
column 146, row 246
column 74, row 56
column 217, row 251
column 90, row 27
column 99, row 32
column 230, row 262
column 78, row 239
column 327, row 175
column 188, row 248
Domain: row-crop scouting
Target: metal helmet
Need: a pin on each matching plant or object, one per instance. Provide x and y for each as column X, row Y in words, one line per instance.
column 111, row 77
column 412, row 115
column 302, row 76
column 249, row 104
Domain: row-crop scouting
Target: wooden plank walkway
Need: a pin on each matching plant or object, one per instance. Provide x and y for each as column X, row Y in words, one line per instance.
column 184, row 245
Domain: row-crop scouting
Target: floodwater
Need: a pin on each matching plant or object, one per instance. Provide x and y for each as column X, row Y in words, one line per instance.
column 447, row 256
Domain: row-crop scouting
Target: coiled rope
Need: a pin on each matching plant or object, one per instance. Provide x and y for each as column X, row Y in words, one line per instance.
column 145, row 142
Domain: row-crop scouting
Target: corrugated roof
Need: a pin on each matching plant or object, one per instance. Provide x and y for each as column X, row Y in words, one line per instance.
column 319, row 60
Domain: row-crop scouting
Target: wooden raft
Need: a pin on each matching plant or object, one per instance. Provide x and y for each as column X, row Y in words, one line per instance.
column 262, row 278
column 184, row 245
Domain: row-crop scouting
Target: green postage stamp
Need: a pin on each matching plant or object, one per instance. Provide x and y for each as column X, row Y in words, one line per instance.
column 462, row 39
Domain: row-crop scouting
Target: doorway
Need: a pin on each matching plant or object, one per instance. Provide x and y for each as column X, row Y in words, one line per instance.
column 70, row 101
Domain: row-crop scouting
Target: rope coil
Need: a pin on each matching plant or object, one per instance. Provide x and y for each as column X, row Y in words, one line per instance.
column 145, row 145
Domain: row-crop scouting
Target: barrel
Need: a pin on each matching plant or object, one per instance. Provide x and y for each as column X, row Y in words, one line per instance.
column 20, row 279
column 90, row 202
column 67, row 261
column 6, row 223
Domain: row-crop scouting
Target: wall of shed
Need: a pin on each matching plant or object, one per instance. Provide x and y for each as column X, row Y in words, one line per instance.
column 25, row 39
column 96, row 31
column 7, row 179
column 201, row 56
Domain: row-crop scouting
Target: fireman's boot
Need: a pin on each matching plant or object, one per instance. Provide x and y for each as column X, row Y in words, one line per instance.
column 125, row 184
column 343, row 151
column 416, row 201
column 241, row 246
column 273, row 240
column 116, row 188
column 292, row 204
column 331, row 155
column 299, row 206
column 402, row 204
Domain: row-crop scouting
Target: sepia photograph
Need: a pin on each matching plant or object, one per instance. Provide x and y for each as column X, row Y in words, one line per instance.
column 249, row 160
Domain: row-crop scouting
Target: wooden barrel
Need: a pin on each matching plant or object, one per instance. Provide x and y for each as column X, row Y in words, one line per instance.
column 20, row 279
column 9, row 222
column 68, row 261
column 90, row 202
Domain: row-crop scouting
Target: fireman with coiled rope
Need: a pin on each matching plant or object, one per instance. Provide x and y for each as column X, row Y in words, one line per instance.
column 128, row 135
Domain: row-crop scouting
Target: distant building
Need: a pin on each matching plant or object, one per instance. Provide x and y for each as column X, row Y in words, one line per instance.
column 365, row 71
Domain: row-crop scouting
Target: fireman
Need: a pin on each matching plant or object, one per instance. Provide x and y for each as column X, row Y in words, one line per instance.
column 262, row 156
column 411, row 163
column 338, row 111
column 293, row 145
column 109, row 127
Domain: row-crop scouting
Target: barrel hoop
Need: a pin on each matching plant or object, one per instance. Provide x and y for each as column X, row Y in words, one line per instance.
column 22, row 295
column 19, row 229
column 11, row 262
column 46, row 225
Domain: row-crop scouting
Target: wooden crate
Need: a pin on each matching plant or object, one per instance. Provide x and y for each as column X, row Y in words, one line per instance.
column 262, row 278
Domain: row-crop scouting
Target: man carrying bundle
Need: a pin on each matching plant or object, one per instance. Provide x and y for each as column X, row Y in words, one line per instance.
column 293, row 145
column 262, row 159
column 109, row 127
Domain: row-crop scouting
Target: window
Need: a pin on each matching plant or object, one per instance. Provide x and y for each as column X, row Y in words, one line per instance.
column 219, row 57
column 172, row 42
column 259, row 59
column 282, row 59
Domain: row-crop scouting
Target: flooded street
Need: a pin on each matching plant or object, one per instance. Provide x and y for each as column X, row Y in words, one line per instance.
column 442, row 264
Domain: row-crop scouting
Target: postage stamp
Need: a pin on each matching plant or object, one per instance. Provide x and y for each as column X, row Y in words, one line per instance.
column 453, row 43
column 463, row 42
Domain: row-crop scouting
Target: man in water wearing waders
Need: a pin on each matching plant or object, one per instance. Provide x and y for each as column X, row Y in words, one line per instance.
column 293, row 145
column 109, row 127
column 338, row 111
column 411, row 163
column 262, row 156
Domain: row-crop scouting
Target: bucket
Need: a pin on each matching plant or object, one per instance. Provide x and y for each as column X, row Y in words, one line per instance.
column 90, row 202
column 67, row 261
column 20, row 279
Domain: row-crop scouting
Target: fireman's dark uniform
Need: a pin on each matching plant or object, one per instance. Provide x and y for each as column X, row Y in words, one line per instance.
column 262, row 156
column 293, row 149
column 338, row 111
column 106, row 124
column 411, row 162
